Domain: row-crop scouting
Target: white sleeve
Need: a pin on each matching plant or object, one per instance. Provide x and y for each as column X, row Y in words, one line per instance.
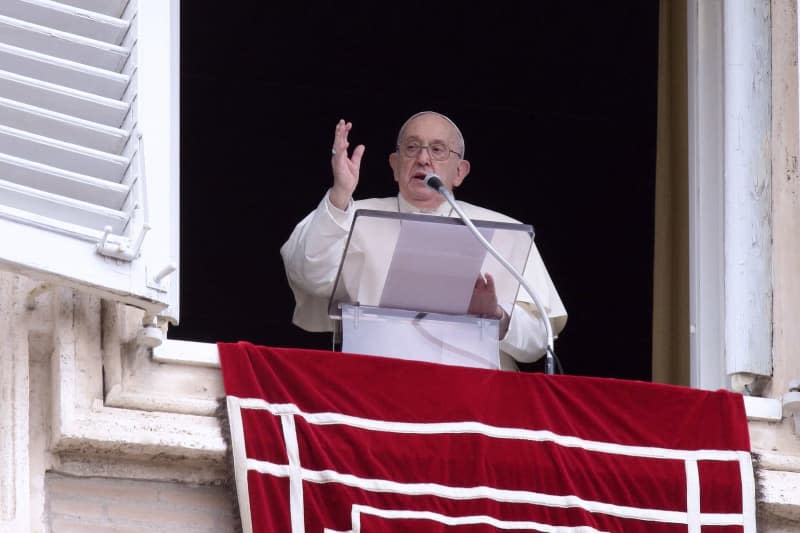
column 526, row 339
column 311, row 258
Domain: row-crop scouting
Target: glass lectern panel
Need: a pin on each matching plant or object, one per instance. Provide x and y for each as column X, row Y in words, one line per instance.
column 425, row 263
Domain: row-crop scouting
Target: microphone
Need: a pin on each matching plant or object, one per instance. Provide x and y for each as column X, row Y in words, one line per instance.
column 435, row 182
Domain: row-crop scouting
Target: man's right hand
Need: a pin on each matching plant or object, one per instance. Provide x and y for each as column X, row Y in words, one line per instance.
column 345, row 169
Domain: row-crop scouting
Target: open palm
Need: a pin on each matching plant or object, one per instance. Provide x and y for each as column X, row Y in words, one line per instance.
column 346, row 169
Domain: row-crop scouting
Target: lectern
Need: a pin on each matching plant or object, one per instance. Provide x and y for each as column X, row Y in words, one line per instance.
column 405, row 284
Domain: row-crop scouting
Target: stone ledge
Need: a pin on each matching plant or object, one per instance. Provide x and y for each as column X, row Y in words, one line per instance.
column 139, row 434
column 778, row 494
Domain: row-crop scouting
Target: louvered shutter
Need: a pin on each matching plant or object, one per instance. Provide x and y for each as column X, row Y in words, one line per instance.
column 89, row 145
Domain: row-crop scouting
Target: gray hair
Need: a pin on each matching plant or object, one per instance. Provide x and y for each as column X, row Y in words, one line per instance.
column 459, row 138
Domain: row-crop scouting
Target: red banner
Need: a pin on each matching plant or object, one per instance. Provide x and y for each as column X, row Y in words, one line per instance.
column 329, row 442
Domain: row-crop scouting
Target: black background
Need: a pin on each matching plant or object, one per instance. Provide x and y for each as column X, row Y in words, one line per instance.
column 557, row 102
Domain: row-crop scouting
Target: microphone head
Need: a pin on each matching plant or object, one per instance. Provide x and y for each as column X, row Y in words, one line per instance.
column 434, row 182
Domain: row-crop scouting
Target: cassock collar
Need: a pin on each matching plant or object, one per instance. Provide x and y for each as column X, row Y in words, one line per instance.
column 444, row 209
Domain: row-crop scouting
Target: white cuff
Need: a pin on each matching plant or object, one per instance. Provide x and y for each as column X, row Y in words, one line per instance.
column 341, row 216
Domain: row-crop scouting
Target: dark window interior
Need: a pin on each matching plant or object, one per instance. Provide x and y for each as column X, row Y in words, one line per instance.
column 556, row 100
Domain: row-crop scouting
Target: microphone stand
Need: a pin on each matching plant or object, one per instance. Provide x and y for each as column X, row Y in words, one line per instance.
column 433, row 181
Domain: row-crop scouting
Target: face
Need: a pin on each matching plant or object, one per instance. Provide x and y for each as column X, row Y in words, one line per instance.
column 409, row 172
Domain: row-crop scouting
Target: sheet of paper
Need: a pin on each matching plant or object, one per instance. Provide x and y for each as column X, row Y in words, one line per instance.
column 434, row 268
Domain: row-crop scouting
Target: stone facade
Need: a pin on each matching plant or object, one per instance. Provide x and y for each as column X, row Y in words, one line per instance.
column 93, row 433
column 108, row 505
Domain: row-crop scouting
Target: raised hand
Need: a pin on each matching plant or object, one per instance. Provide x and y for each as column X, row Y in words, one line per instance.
column 345, row 169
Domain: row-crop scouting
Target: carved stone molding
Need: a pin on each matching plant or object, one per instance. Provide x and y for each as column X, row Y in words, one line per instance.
column 144, row 414
column 14, row 408
column 134, row 381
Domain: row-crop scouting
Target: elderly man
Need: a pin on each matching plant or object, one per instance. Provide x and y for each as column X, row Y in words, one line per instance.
column 427, row 143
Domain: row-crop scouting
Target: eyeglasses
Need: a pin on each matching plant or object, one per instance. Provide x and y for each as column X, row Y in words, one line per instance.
column 439, row 151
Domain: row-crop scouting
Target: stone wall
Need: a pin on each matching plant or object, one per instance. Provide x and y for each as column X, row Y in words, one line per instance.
column 105, row 505
column 93, row 433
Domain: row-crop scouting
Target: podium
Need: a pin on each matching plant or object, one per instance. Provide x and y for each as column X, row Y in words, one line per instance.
column 405, row 283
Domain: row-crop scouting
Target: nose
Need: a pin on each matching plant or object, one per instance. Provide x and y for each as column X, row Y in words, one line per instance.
column 424, row 155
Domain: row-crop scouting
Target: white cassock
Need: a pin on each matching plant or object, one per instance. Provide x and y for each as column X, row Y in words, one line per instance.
column 314, row 250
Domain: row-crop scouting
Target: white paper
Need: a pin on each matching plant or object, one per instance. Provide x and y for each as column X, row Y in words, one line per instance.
column 434, row 268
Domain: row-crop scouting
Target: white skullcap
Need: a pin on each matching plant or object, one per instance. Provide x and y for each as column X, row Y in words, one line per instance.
column 459, row 136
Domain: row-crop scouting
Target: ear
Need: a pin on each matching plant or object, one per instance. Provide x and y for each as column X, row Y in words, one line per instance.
column 393, row 163
column 461, row 172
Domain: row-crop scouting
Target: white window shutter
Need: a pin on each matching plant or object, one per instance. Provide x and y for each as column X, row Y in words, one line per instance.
column 89, row 154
